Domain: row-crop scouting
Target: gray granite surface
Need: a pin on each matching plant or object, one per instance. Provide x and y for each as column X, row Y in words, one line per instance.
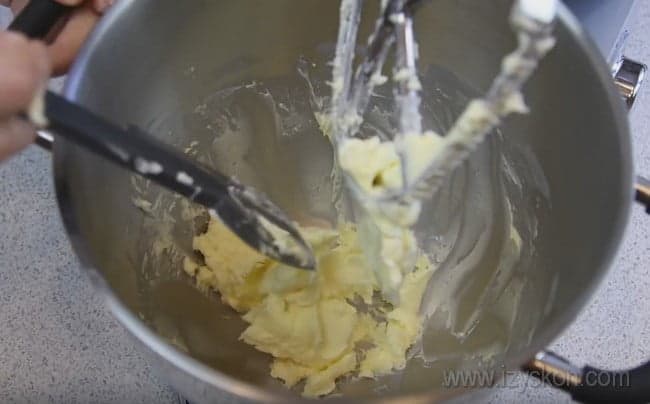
column 59, row 344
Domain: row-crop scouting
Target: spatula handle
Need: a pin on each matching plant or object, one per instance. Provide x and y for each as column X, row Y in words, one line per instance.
column 37, row 20
column 39, row 17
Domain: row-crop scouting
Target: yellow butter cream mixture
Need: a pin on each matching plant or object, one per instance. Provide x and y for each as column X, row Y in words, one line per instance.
column 318, row 325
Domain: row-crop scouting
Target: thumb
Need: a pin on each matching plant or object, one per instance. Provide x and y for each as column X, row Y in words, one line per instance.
column 15, row 135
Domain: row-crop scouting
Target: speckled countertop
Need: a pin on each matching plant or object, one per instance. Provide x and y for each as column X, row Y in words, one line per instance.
column 59, row 344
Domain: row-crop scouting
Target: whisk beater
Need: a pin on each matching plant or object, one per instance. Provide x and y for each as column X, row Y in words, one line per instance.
column 389, row 179
column 532, row 22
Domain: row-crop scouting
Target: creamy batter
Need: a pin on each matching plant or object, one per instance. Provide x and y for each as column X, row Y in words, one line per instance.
column 388, row 240
column 322, row 325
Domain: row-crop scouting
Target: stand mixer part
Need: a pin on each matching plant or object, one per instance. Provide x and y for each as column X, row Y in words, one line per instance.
column 532, row 22
column 395, row 175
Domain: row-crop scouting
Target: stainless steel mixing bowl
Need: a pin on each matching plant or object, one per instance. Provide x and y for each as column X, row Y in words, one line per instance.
column 237, row 83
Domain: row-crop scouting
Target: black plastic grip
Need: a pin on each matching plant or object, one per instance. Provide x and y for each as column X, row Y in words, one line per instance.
column 602, row 386
column 591, row 385
column 39, row 17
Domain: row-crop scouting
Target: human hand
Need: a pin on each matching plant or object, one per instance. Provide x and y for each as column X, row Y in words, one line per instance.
column 24, row 70
column 65, row 44
column 25, row 66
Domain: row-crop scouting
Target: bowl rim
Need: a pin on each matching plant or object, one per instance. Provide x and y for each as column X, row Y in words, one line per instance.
column 192, row 367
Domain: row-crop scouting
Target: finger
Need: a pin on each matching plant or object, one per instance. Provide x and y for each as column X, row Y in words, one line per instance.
column 68, row 42
column 69, row 39
column 15, row 135
column 17, row 5
column 100, row 6
column 24, row 69
column 70, row 2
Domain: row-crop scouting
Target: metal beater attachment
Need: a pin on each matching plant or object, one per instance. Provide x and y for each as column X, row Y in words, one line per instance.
column 532, row 22
column 352, row 91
